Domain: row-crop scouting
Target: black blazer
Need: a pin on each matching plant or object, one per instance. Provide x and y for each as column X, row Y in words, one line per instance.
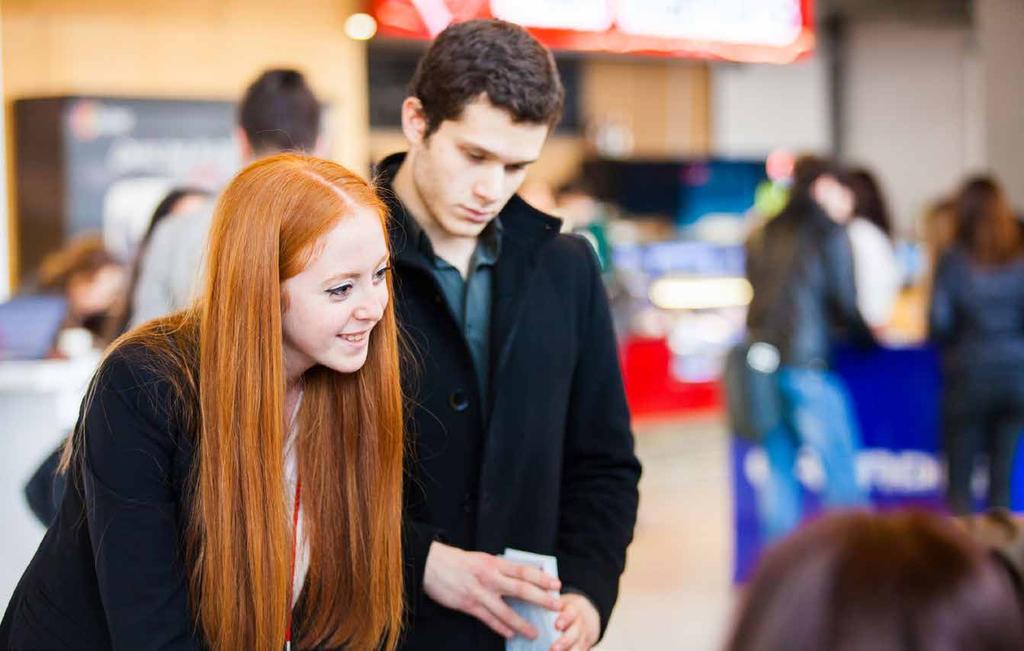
column 552, row 470
column 109, row 572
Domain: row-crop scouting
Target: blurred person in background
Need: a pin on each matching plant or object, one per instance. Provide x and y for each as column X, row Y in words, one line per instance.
column 537, row 193
column 976, row 318
column 45, row 490
column 585, row 216
column 241, row 461
column 800, row 266
column 278, row 113
column 520, row 432
column 179, row 201
column 876, row 271
column 91, row 281
column 938, row 228
column 879, row 582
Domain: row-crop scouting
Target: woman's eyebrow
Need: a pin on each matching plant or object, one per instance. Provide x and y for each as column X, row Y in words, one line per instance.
column 348, row 275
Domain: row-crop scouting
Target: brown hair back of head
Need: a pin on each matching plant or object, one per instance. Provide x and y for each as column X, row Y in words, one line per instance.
column 986, row 225
column 866, row 582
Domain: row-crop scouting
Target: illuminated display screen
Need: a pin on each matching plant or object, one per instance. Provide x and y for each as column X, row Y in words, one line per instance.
column 775, row 31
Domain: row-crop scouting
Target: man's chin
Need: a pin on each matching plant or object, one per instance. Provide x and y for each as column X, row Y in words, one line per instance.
column 466, row 228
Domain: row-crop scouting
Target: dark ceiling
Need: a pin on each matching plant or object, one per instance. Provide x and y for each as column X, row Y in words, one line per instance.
column 930, row 11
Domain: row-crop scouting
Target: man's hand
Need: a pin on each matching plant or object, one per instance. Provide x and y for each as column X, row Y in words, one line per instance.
column 579, row 623
column 475, row 582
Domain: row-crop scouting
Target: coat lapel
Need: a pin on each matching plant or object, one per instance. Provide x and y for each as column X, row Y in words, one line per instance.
column 525, row 230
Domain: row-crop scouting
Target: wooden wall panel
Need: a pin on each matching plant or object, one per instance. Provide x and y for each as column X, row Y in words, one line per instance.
column 189, row 49
column 664, row 103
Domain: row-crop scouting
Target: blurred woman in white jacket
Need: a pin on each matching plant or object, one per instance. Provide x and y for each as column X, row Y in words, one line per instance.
column 876, row 271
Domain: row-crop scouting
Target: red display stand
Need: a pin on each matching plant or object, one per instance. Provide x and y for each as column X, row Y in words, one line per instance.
column 651, row 388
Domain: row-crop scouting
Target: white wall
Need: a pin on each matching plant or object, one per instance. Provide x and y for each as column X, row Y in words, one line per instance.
column 756, row 108
column 1000, row 36
column 912, row 109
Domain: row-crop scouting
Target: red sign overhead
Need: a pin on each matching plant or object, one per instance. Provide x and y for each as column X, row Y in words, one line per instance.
column 768, row 31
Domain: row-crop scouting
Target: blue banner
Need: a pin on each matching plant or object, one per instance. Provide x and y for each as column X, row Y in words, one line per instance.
column 896, row 401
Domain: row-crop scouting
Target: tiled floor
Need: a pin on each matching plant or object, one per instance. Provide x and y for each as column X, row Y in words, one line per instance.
column 676, row 592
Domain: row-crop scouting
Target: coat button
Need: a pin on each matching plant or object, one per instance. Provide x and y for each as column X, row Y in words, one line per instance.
column 458, row 400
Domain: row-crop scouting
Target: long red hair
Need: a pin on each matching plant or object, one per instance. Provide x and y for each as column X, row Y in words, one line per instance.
column 266, row 228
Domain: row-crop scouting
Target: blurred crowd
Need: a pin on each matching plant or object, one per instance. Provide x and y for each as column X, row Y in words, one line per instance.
column 824, row 270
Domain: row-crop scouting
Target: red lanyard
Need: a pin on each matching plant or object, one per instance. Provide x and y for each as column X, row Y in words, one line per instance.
column 295, row 547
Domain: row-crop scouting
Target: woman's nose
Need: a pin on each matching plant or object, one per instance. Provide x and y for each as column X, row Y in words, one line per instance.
column 371, row 308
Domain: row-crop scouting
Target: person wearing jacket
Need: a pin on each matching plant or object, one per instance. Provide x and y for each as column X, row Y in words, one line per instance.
column 800, row 266
column 518, row 425
column 278, row 112
column 234, row 481
column 976, row 319
column 876, row 269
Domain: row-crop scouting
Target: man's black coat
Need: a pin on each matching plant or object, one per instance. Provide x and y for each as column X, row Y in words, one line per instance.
column 548, row 465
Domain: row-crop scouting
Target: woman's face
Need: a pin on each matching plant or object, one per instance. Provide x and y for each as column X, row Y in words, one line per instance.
column 334, row 303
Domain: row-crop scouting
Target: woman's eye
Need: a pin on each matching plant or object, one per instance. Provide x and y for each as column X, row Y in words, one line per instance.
column 340, row 291
column 383, row 271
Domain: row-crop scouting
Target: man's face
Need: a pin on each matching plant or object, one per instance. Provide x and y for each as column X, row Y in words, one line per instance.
column 467, row 170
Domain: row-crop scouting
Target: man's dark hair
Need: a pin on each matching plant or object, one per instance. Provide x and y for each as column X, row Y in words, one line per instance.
column 280, row 113
column 495, row 57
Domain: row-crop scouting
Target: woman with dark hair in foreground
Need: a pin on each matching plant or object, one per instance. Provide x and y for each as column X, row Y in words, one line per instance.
column 857, row 581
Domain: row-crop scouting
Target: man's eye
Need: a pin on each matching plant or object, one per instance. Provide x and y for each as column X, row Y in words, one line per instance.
column 340, row 291
column 476, row 158
column 514, row 169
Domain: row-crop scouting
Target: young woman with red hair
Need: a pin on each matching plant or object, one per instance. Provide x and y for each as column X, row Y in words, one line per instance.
column 235, row 476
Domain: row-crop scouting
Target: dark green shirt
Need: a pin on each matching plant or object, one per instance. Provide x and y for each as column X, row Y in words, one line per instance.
column 468, row 299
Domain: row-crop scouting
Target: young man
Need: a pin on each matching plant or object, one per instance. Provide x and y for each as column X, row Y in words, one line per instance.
column 278, row 113
column 520, row 434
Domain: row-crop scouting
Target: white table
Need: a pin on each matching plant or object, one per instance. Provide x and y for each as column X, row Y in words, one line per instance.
column 39, row 402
